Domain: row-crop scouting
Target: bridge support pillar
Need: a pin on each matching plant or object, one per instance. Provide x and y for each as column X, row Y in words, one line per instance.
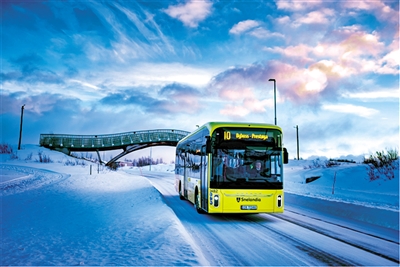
column 98, row 155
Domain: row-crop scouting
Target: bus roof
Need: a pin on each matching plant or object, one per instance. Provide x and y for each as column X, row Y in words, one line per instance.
column 211, row 126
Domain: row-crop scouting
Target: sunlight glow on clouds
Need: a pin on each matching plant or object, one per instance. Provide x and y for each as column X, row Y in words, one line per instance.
column 315, row 80
column 235, row 94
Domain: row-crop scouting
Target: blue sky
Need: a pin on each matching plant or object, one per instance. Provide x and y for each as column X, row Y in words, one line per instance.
column 100, row 67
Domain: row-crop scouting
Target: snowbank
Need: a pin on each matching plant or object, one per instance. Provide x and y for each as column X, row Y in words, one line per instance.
column 344, row 190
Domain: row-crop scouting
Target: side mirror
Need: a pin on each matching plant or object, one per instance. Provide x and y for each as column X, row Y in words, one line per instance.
column 208, row 144
column 285, row 156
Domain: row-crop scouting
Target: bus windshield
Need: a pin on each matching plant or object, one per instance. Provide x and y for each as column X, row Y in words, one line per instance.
column 247, row 167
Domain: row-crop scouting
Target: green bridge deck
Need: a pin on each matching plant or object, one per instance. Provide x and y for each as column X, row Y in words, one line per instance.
column 128, row 142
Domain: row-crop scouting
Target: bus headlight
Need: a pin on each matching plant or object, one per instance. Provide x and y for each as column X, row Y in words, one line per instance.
column 279, row 201
column 216, row 200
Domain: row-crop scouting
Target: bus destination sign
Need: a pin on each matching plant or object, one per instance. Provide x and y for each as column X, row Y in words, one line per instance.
column 244, row 135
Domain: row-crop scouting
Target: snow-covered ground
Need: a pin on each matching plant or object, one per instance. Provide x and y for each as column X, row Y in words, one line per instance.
column 53, row 214
column 72, row 212
column 347, row 182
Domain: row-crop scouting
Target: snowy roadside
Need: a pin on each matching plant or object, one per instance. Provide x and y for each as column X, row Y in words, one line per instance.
column 54, row 214
column 345, row 191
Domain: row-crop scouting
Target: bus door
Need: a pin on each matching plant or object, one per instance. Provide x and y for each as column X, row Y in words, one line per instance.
column 204, row 179
column 185, row 175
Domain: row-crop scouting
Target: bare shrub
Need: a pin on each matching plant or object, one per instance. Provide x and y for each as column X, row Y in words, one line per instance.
column 69, row 163
column 317, row 163
column 331, row 163
column 6, row 149
column 43, row 158
column 382, row 164
column 75, row 162
column 29, row 156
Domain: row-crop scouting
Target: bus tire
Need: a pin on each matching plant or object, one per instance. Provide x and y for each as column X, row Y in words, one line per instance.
column 197, row 203
column 180, row 190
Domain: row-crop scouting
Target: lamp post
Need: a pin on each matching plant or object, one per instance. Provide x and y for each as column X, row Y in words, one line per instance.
column 150, row 158
column 273, row 80
column 20, row 127
column 297, row 136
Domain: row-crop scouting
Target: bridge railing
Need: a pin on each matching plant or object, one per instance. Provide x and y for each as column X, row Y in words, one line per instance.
column 110, row 140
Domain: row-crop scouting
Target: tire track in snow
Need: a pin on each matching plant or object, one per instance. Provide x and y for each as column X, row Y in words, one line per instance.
column 32, row 178
column 372, row 247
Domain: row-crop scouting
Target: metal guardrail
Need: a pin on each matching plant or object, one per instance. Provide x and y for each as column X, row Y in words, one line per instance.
column 110, row 141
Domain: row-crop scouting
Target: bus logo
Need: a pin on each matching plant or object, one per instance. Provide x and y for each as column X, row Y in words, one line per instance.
column 243, row 199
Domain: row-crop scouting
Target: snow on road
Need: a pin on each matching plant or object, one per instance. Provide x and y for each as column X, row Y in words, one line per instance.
column 57, row 214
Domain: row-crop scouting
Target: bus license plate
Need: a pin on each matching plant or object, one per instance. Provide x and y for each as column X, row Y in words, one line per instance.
column 245, row 207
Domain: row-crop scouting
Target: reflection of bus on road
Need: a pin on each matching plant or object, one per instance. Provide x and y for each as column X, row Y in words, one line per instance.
column 232, row 168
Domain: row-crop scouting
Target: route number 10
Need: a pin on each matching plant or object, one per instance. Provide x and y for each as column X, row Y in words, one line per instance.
column 227, row 135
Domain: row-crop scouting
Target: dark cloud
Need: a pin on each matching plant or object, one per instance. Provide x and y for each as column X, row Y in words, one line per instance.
column 39, row 104
column 31, row 70
column 28, row 60
column 172, row 99
column 178, row 90
column 33, row 76
column 128, row 97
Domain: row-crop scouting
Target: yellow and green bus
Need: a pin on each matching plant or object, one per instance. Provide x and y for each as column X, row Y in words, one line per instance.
column 226, row 167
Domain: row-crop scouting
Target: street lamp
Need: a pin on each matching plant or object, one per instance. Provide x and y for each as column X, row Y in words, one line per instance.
column 273, row 80
column 20, row 127
column 297, row 136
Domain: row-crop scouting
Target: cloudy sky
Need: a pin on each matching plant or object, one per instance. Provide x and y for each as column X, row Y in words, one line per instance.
column 100, row 67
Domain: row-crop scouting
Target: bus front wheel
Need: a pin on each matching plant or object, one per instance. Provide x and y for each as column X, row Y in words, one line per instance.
column 197, row 204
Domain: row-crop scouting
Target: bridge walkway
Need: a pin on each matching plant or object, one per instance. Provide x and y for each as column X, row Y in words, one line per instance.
column 128, row 142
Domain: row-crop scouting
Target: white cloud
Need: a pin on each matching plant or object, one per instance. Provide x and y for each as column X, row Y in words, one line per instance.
column 382, row 11
column 262, row 33
column 300, row 50
column 283, row 20
column 243, row 26
column 235, row 111
column 148, row 74
column 295, row 5
column 235, row 93
column 316, row 17
column 86, row 84
column 390, row 63
column 190, row 13
column 315, row 80
column 393, row 94
column 351, row 109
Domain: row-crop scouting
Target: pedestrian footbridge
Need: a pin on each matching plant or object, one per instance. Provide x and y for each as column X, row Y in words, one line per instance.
column 128, row 142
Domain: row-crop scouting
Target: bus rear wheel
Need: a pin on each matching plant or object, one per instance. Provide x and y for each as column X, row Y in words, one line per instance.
column 180, row 190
